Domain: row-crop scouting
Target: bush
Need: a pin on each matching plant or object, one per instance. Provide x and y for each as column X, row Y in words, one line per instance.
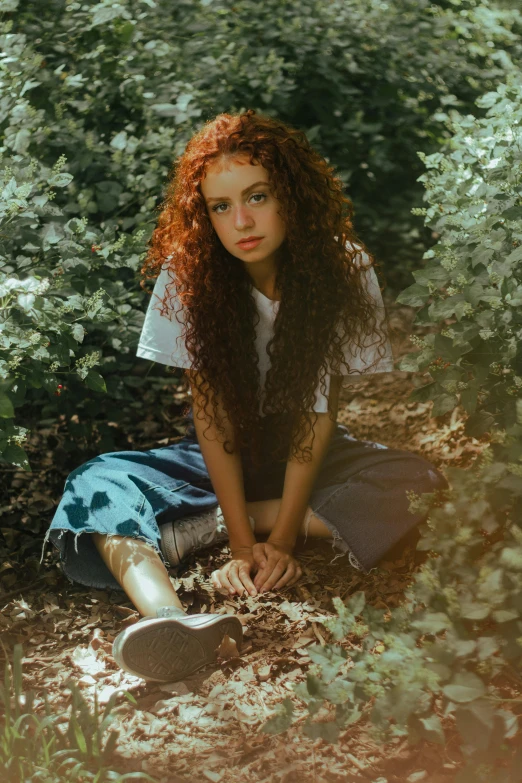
column 98, row 99
column 454, row 648
column 57, row 306
column 121, row 86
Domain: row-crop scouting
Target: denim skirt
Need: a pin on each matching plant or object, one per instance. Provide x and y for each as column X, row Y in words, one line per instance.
column 359, row 494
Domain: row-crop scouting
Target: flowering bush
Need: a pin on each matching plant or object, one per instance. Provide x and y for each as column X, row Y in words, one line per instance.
column 53, row 305
column 98, row 99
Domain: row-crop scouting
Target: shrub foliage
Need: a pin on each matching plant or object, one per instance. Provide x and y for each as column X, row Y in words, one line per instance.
column 445, row 659
column 97, row 100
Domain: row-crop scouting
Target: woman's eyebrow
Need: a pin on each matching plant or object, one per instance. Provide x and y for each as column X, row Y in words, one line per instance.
column 250, row 187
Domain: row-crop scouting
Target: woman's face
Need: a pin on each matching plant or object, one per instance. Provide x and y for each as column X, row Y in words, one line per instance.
column 240, row 205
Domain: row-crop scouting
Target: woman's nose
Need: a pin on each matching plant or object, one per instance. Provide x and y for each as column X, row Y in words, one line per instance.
column 242, row 218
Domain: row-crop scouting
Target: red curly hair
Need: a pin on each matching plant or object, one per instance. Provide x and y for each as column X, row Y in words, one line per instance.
column 320, row 283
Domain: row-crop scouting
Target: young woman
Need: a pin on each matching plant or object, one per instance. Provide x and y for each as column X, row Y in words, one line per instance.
column 266, row 299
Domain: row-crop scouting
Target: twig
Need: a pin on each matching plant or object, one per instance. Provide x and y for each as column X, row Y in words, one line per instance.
column 4, row 596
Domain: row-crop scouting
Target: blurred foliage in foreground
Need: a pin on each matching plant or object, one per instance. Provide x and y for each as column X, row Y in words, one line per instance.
column 450, row 657
column 55, row 747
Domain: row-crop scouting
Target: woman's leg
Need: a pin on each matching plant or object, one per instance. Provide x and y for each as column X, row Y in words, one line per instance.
column 139, row 570
column 265, row 512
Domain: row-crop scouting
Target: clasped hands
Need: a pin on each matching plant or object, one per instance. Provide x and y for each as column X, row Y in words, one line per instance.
column 272, row 563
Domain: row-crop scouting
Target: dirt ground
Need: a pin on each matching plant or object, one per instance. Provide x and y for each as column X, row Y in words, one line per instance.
column 206, row 728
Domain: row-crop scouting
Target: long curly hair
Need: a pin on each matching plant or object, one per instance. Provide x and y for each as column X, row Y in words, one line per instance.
column 322, row 292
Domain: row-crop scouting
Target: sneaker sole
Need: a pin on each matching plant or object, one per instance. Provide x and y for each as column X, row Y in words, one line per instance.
column 167, row 650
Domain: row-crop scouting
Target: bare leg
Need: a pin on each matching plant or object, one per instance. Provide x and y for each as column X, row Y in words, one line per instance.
column 264, row 512
column 139, row 570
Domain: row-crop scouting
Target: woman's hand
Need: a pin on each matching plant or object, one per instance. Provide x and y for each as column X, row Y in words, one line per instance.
column 276, row 566
column 234, row 576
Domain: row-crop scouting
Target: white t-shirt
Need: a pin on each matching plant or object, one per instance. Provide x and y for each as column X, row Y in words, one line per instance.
column 161, row 340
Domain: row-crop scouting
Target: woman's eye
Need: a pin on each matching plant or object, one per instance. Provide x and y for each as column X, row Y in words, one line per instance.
column 216, row 208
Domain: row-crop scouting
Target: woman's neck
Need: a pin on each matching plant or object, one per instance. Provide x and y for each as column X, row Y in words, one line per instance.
column 265, row 283
column 269, row 292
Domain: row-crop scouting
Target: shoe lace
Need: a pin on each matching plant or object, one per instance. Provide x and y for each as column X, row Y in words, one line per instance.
column 354, row 562
column 198, row 528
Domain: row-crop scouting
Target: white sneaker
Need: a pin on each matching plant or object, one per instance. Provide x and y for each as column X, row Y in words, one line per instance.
column 184, row 536
column 172, row 645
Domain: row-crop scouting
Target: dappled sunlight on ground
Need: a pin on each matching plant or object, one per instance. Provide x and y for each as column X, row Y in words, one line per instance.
column 206, row 728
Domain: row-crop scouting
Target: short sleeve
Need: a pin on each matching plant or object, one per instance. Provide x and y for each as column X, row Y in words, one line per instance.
column 161, row 336
column 371, row 357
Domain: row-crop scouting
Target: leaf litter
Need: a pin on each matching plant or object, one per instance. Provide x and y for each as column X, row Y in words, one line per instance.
column 207, row 727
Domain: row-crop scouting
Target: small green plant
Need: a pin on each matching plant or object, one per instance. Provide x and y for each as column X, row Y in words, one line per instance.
column 55, row 747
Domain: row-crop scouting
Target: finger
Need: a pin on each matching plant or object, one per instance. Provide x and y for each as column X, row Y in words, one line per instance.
column 276, row 574
column 267, row 569
column 235, row 581
column 263, row 574
column 296, row 578
column 291, row 576
column 244, row 576
column 225, row 581
column 259, row 555
column 214, row 578
column 287, row 576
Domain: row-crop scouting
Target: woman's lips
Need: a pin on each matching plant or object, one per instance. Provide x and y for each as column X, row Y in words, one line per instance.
column 248, row 245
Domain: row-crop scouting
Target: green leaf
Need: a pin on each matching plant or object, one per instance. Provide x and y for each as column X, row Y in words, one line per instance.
column 424, row 393
column 6, row 407
column 409, row 363
column 444, row 403
column 119, row 142
column 515, row 256
column 472, row 610
column 505, row 615
column 60, row 180
column 446, row 347
column 165, row 109
column 513, row 213
column 329, row 732
column 444, row 308
column 78, row 332
column 355, row 602
column 432, row 274
column 468, row 398
column 432, row 622
column 432, row 729
column 281, row 720
column 16, row 455
column 414, row 296
column 464, row 688
column 330, row 658
column 475, row 723
column 51, row 234
column 339, row 691
column 8, row 5
column 95, row 381
column 479, row 423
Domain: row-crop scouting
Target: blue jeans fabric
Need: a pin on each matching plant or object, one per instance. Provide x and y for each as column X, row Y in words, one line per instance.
column 359, row 494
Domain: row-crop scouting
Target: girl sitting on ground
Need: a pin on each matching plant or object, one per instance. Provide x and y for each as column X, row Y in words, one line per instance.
column 266, row 298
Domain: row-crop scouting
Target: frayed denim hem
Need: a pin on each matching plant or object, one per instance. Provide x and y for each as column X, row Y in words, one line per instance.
column 81, row 570
column 337, row 541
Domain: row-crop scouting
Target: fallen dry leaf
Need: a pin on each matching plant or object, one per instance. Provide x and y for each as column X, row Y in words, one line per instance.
column 207, row 727
column 227, row 649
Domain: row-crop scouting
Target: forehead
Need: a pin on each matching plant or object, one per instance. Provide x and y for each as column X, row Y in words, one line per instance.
column 231, row 176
